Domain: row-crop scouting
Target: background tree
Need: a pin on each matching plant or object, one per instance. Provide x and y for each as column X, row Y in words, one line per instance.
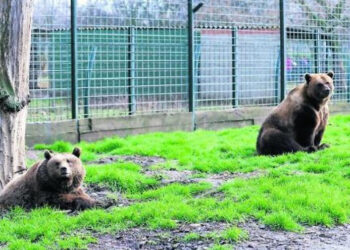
column 333, row 20
column 15, row 36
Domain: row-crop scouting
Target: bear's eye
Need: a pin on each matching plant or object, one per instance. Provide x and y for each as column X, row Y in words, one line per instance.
column 68, row 161
column 57, row 164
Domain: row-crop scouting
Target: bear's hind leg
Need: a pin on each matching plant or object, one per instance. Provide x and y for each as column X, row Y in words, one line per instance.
column 275, row 142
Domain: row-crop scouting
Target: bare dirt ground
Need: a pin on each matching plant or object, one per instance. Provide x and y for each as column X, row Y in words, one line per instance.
column 139, row 238
column 144, row 161
column 260, row 237
column 316, row 238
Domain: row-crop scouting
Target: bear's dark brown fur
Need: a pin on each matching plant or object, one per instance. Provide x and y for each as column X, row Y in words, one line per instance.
column 55, row 181
column 298, row 122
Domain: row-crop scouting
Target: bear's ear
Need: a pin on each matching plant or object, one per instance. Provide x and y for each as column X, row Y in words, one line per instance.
column 307, row 78
column 330, row 74
column 47, row 155
column 76, row 152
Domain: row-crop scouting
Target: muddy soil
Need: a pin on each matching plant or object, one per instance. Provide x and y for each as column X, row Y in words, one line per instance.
column 139, row 238
column 315, row 238
column 144, row 161
column 260, row 238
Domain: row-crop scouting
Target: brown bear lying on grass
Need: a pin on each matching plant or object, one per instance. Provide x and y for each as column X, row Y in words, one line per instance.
column 298, row 122
column 55, row 181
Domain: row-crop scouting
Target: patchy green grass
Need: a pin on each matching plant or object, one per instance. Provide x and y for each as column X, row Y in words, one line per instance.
column 171, row 191
column 286, row 202
column 120, row 176
column 297, row 190
column 216, row 151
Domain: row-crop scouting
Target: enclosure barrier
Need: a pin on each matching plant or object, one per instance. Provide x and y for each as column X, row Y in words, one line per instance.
column 132, row 62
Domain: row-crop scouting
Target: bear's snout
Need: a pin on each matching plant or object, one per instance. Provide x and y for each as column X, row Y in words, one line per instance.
column 65, row 171
column 324, row 90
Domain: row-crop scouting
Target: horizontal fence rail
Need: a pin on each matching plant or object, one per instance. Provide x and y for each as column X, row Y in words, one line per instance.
column 100, row 59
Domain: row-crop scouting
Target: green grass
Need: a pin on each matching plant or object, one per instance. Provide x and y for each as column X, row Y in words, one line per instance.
column 191, row 237
column 221, row 247
column 171, row 191
column 287, row 202
column 120, row 176
column 216, row 151
column 234, row 234
column 41, row 228
column 298, row 190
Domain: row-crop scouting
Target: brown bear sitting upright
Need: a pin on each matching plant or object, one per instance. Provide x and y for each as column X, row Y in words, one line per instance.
column 298, row 122
column 55, row 181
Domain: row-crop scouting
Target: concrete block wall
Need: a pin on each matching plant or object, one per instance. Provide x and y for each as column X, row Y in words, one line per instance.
column 93, row 129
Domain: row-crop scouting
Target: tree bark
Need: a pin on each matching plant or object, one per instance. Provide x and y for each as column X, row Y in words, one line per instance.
column 15, row 37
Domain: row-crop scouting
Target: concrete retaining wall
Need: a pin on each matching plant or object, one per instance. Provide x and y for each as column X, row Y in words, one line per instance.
column 98, row 128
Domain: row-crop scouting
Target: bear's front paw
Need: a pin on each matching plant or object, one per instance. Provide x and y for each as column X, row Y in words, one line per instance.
column 311, row 149
column 323, row 146
column 81, row 204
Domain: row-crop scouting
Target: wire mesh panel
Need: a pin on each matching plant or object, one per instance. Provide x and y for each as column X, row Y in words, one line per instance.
column 132, row 57
column 318, row 41
column 49, row 78
column 102, row 72
column 161, row 76
column 237, row 54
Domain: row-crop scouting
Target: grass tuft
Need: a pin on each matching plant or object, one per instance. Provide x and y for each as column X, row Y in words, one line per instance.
column 234, row 234
column 58, row 146
column 125, row 177
column 191, row 237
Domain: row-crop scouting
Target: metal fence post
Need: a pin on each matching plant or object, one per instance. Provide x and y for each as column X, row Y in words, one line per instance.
column 190, row 56
column 316, row 50
column 234, row 60
column 74, row 92
column 282, row 50
column 191, row 85
column 131, row 71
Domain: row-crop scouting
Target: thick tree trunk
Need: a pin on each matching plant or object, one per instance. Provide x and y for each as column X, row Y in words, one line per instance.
column 15, row 35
